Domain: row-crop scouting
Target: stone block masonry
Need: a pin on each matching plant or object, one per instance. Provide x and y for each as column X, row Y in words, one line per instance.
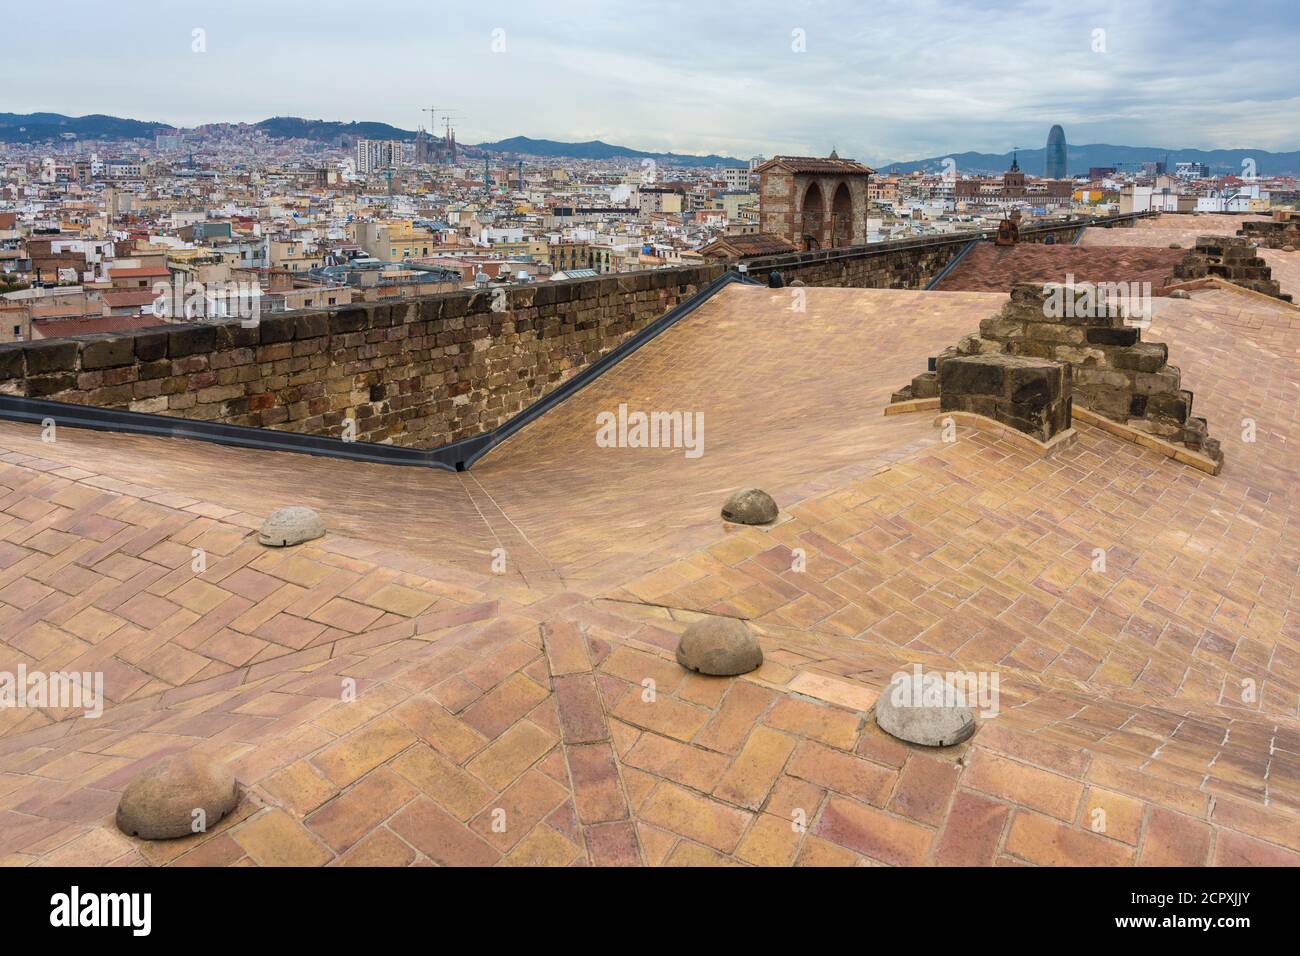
column 1112, row 371
column 417, row 374
column 1031, row 395
column 1272, row 234
column 1232, row 258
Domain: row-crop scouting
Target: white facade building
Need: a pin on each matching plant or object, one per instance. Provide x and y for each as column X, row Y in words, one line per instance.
column 374, row 155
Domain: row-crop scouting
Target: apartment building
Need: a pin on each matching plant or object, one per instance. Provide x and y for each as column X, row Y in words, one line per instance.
column 375, row 155
column 395, row 240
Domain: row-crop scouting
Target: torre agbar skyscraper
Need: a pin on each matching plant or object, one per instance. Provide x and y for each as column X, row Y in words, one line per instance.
column 1054, row 159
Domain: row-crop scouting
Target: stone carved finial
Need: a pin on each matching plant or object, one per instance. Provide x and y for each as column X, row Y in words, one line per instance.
column 1234, row 259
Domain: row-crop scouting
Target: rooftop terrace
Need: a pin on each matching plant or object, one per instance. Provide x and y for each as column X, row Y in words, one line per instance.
column 1121, row 689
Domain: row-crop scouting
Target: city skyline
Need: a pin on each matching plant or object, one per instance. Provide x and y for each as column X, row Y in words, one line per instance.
column 48, row 122
column 883, row 85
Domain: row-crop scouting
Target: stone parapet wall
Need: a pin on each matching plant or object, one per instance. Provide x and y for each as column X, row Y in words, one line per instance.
column 901, row 264
column 420, row 373
column 906, row 268
column 1031, row 395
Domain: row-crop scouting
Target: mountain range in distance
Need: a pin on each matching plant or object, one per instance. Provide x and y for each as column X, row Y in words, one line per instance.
column 42, row 127
column 595, row 149
column 1080, row 159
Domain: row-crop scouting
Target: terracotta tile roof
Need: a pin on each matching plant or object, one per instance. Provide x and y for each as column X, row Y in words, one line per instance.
column 818, row 164
column 1120, row 689
column 758, row 244
column 119, row 298
column 1184, row 230
column 1164, row 229
column 991, row 268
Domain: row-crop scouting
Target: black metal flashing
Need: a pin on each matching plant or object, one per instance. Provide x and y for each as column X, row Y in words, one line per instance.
column 461, row 455
column 949, row 267
column 67, row 414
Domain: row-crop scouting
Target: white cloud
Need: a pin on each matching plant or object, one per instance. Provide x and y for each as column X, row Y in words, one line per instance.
column 882, row 81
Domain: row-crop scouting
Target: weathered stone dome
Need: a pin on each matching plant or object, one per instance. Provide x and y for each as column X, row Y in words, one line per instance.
column 161, row 803
column 750, row 506
column 721, row 646
column 290, row 526
column 924, row 709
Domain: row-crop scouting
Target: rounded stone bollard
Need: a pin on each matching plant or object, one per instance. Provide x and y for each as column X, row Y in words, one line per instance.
column 176, row 797
column 750, row 506
column 290, row 526
column 924, row 709
column 1180, row 294
column 719, row 646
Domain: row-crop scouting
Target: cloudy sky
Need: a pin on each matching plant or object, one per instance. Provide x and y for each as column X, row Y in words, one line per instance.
column 880, row 80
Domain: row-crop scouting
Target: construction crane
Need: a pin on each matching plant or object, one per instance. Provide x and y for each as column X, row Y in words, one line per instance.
column 446, row 113
column 434, row 111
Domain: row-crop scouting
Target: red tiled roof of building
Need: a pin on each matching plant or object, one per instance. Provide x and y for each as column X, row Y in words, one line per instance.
column 120, row 298
column 755, row 244
column 990, row 268
column 832, row 165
